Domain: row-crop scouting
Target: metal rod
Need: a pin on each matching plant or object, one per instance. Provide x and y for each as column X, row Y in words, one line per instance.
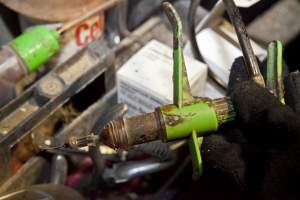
column 104, row 6
column 249, row 57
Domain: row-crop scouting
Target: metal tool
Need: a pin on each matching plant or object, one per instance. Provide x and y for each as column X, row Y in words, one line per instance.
column 189, row 117
column 124, row 171
column 244, row 41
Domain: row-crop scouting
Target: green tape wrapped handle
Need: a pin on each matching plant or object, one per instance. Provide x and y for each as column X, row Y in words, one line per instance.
column 36, row 46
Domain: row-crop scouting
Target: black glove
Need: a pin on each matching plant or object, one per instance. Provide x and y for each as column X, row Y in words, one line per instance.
column 259, row 151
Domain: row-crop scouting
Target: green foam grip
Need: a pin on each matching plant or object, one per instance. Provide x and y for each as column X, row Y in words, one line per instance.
column 36, row 46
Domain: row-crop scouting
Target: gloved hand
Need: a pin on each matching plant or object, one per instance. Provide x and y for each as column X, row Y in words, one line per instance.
column 259, row 152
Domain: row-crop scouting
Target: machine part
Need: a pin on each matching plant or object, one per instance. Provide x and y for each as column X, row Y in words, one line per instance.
column 114, row 112
column 274, row 70
column 35, row 47
column 124, row 171
column 23, row 55
column 91, row 119
column 23, row 114
column 218, row 9
column 125, row 133
column 48, row 88
column 188, row 117
column 59, row 169
column 42, row 192
column 248, row 54
column 84, row 123
column 34, row 171
column 89, row 140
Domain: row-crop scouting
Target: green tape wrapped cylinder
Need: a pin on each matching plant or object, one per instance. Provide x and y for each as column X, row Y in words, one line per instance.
column 36, row 46
column 181, row 122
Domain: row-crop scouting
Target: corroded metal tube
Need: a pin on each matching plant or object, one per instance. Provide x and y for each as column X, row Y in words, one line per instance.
column 127, row 132
column 248, row 54
column 162, row 123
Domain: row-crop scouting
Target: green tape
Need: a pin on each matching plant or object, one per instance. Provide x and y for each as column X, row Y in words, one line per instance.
column 181, row 122
column 194, row 146
column 35, row 47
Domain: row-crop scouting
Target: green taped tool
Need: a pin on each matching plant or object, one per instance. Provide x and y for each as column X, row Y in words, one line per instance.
column 187, row 118
column 36, row 46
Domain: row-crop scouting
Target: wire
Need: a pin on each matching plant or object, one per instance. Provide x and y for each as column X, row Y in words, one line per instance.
column 192, row 35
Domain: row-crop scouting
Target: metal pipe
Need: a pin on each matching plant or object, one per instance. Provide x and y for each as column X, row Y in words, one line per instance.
column 59, row 169
column 127, row 132
column 248, row 54
column 122, row 172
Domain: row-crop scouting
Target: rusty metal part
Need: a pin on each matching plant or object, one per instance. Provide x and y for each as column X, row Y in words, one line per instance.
column 127, row 132
column 103, row 6
column 53, row 10
column 248, row 54
column 224, row 109
column 88, row 140
column 96, row 115
column 25, row 113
